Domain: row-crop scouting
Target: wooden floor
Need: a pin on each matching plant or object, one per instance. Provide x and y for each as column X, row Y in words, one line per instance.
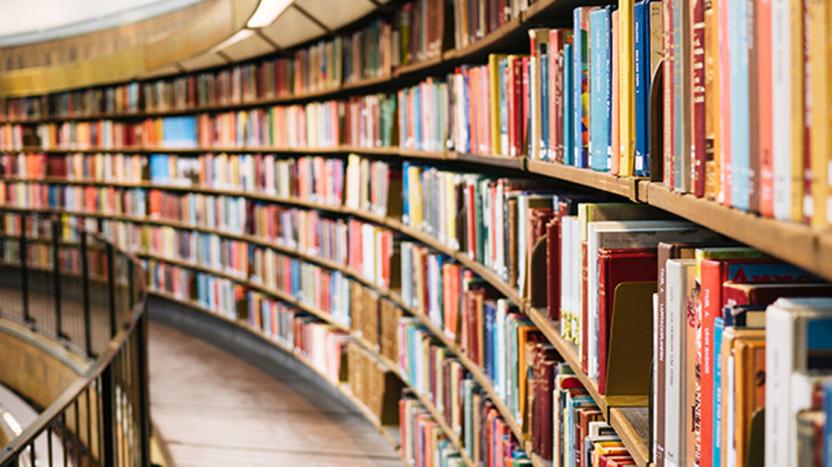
column 213, row 409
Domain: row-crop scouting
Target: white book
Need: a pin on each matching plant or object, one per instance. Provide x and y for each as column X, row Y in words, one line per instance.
column 623, row 234
column 566, row 259
column 788, row 321
column 781, row 110
column 655, row 369
column 680, row 277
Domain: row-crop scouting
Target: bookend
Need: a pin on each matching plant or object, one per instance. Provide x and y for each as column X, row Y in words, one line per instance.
column 656, row 123
column 537, row 281
column 630, row 345
column 389, row 410
column 756, row 439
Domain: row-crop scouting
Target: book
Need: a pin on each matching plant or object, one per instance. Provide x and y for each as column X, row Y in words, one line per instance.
column 795, row 330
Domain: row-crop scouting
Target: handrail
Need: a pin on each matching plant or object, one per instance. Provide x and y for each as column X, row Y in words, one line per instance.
column 114, row 387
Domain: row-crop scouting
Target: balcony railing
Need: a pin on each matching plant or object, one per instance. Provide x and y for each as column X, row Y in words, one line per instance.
column 72, row 286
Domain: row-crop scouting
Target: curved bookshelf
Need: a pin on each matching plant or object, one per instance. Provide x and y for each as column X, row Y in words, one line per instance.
column 627, row 415
column 636, row 442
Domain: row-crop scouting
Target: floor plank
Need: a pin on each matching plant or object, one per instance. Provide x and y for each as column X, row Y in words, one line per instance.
column 213, row 409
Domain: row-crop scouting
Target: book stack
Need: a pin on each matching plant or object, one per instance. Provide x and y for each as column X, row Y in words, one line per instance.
column 798, row 398
column 432, row 369
column 423, row 441
column 217, row 294
column 23, row 108
column 581, row 436
column 272, row 317
column 423, row 116
column 373, row 253
column 373, row 383
column 420, row 27
column 370, row 52
column 373, row 185
column 12, row 137
column 369, row 121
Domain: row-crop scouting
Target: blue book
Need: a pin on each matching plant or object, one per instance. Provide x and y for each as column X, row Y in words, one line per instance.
column 568, row 114
column 418, row 117
column 599, row 73
column 641, row 55
column 719, row 327
column 490, row 312
column 159, row 168
column 739, row 43
column 580, row 85
column 405, row 191
column 503, row 107
column 179, row 131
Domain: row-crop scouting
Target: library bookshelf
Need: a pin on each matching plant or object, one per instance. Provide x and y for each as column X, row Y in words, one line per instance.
column 627, row 415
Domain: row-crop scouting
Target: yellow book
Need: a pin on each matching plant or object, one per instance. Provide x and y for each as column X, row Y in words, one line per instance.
column 494, row 101
column 712, row 116
column 626, row 90
column 796, row 41
column 818, row 45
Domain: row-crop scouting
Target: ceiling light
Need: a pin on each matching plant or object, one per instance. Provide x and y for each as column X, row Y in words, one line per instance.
column 239, row 36
column 267, row 11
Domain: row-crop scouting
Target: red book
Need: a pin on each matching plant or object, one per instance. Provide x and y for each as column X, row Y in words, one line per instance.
column 557, row 39
column 553, row 268
column 766, row 293
column 617, row 266
column 515, row 108
column 714, row 273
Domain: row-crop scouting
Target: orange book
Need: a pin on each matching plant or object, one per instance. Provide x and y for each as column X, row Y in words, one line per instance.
column 764, row 77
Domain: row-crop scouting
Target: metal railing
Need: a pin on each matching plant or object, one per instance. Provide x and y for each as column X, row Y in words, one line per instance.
column 66, row 283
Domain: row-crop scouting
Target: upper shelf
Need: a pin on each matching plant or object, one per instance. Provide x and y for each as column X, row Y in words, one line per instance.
column 305, row 20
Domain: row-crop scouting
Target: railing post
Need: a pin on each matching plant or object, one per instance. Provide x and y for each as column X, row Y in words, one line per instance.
column 108, row 415
column 144, row 396
column 85, row 290
column 24, row 272
column 111, row 288
column 56, row 268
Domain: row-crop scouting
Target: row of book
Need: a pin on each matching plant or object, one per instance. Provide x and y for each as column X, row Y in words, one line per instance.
column 417, row 31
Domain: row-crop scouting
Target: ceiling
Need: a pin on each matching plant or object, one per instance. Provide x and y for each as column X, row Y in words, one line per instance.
column 30, row 21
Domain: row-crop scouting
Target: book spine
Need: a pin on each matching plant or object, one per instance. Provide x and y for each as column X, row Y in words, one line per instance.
column 712, row 115
column 725, row 91
column 599, row 80
column 568, row 127
column 710, row 299
column 641, row 58
column 627, row 111
column 579, row 75
column 698, row 152
column 819, row 98
column 763, row 38
column 668, row 112
column 740, row 105
column 615, row 130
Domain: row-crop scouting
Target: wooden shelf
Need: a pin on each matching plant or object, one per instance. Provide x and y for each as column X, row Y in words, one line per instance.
column 626, row 187
column 627, row 415
column 633, row 426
